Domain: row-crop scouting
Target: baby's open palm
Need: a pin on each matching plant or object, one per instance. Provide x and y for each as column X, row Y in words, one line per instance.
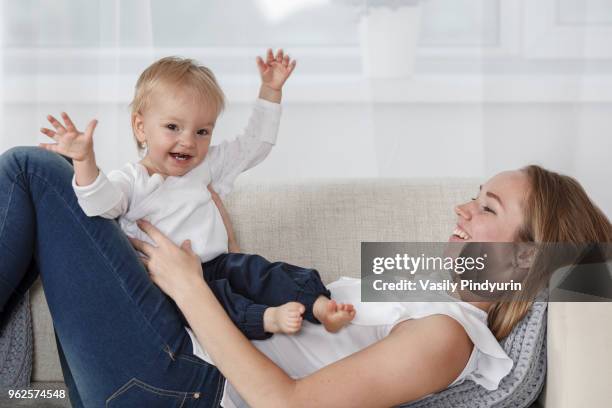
column 69, row 140
column 276, row 69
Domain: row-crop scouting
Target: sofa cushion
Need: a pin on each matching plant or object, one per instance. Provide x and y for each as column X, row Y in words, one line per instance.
column 46, row 366
column 322, row 224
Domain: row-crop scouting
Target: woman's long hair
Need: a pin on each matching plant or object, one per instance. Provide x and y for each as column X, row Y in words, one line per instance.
column 557, row 210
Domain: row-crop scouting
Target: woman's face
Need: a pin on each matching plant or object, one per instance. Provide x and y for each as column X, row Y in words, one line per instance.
column 496, row 213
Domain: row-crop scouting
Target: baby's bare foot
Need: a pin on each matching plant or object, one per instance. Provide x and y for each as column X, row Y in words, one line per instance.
column 286, row 318
column 333, row 315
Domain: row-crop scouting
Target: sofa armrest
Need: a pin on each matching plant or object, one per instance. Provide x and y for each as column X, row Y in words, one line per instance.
column 579, row 355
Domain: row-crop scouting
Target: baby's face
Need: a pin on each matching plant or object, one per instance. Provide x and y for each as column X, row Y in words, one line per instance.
column 177, row 127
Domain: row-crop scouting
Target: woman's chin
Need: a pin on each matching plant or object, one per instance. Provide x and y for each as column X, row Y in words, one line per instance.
column 454, row 247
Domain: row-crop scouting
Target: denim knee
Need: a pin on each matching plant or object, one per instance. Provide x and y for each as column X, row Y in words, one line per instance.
column 19, row 152
column 32, row 159
column 16, row 158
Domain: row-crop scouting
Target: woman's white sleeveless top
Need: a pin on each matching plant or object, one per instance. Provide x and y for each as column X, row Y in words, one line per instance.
column 313, row 347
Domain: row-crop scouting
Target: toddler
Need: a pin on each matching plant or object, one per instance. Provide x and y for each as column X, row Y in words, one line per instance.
column 174, row 111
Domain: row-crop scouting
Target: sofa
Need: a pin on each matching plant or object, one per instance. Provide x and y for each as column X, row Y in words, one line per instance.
column 322, row 223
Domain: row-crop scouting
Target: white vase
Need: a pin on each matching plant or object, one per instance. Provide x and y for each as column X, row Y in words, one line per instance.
column 388, row 39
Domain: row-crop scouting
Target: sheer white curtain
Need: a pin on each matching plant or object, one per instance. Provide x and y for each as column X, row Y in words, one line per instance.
column 498, row 83
column 71, row 56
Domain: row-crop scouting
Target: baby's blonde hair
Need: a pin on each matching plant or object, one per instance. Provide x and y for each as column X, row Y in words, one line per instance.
column 179, row 72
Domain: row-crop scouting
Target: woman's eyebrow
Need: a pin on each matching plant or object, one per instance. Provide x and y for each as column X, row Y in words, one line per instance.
column 494, row 196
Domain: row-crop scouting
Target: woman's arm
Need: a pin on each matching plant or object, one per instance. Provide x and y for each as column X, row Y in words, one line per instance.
column 419, row 357
column 232, row 242
column 422, row 357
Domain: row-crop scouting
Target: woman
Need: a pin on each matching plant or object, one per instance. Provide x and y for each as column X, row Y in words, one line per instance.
column 122, row 342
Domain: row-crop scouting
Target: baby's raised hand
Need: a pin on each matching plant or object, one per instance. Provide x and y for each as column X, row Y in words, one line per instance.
column 275, row 70
column 70, row 141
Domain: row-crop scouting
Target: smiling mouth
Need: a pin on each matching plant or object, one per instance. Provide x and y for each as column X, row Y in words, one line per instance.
column 180, row 156
column 461, row 234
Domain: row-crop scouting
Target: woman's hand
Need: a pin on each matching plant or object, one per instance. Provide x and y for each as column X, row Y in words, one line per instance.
column 174, row 269
column 232, row 242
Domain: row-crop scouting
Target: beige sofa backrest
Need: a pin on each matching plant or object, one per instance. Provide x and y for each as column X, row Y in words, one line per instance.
column 322, row 224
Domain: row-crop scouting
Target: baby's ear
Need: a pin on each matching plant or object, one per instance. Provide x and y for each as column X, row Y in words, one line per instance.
column 138, row 126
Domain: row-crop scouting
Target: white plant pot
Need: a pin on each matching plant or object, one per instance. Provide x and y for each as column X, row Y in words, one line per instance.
column 388, row 39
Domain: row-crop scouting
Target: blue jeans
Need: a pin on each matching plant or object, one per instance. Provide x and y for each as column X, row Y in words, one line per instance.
column 121, row 340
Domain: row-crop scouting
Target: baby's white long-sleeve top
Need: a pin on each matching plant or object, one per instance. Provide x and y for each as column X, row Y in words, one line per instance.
column 182, row 207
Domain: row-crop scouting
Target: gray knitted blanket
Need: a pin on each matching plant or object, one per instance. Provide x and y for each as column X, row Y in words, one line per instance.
column 16, row 347
column 526, row 346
